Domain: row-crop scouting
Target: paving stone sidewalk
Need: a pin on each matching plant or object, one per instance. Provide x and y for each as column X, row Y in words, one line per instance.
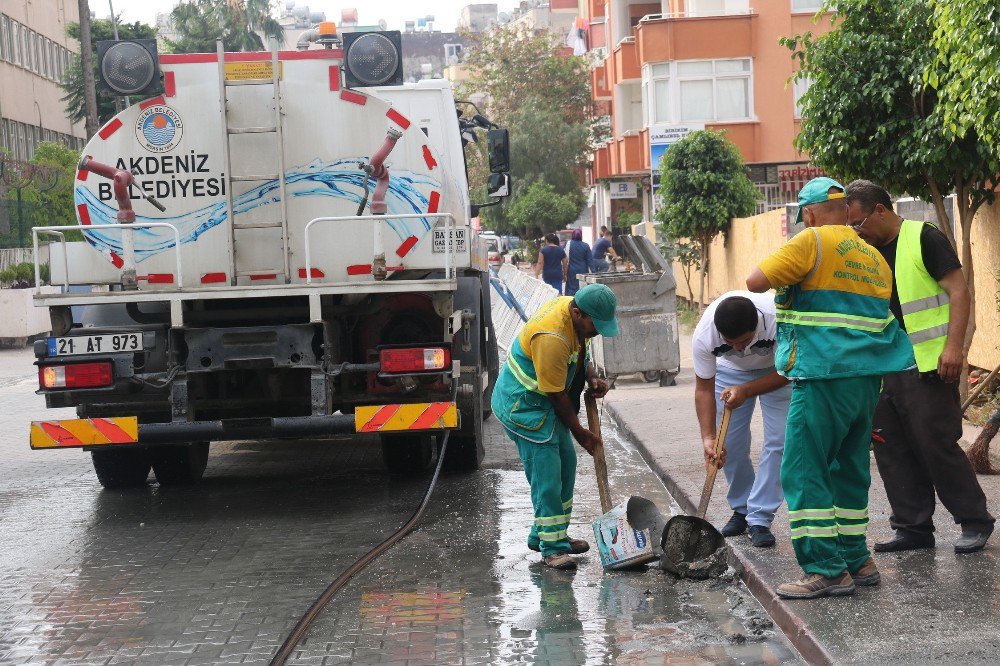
column 932, row 605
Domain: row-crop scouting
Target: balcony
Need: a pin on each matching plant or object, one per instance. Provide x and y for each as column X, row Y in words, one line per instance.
column 662, row 37
column 745, row 135
column 625, row 63
column 599, row 88
column 602, row 163
column 630, row 156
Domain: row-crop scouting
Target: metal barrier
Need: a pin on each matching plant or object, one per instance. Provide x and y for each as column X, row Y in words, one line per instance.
column 57, row 231
column 516, row 296
column 449, row 224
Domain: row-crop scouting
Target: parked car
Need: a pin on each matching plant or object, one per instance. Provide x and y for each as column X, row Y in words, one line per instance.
column 494, row 253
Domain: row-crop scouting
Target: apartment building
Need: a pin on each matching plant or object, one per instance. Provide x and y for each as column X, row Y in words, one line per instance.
column 671, row 67
column 34, row 56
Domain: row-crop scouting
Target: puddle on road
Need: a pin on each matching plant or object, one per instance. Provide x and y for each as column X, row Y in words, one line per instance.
column 597, row 617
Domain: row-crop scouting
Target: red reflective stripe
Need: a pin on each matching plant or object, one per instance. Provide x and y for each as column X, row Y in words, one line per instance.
column 431, row 162
column 314, row 271
column 398, row 118
column 430, row 416
column 209, row 278
column 407, row 246
column 393, row 268
column 110, row 129
column 334, row 78
column 82, row 175
column 434, row 202
column 359, row 269
column 117, row 261
column 376, row 422
column 112, row 431
column 62, row 436
column 152, row 102
column 265, row 276
column 84, row 214
column 169, row 85
column 157, row 278
column 353, row 97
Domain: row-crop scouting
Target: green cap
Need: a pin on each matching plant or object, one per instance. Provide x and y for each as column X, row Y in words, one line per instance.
column 816, row 191
column 599, row 302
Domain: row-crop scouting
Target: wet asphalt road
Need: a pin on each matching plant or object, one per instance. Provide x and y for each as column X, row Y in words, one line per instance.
column 219, row 572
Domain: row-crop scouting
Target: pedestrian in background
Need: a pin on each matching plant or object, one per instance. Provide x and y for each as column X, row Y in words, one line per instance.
column 552, row 263
column 836, row 339
column 918, row 421
column 602, row 248
column 580, row 259
column 537, row 400
column 733, row 349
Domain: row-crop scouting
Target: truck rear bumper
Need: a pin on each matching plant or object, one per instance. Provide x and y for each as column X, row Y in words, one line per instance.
column 125, row 430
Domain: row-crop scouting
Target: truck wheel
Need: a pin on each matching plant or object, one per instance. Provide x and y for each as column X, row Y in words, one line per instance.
column 179, row 464
column 466, row 448
column 409, row 454
column 121, row 468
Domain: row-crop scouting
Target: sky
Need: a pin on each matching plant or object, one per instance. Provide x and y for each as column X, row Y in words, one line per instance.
column 395, row 12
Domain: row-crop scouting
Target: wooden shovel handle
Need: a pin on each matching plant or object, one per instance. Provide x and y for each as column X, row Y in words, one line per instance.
column 713, row 469
column 600, row 463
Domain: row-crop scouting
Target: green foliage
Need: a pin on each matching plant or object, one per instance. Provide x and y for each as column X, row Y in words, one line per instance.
column 703, row 185
column 239, row 23
column 45, row 207
column 100, row 30
column 869, row 113
column 540, row 209
column 965, row 72
column 543, row 98
column 626, row 219
column 21, row 276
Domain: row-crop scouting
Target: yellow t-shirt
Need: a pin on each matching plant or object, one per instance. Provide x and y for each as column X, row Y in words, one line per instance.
column 550, row 341
column 829, row 257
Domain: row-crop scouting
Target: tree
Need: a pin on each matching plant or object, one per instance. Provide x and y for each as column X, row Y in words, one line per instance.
column 967, row 45
column 89, row 96
column 74, row 86
column 540, row 209
column 239, row 23
column 703, row 185
column 684, row 252
column 542, row 96
column 870, row 114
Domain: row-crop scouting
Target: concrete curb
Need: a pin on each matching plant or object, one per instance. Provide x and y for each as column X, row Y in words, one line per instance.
column 794, row 627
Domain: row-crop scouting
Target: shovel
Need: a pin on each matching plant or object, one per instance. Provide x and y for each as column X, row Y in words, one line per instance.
column 692, row 547
column 600, row 463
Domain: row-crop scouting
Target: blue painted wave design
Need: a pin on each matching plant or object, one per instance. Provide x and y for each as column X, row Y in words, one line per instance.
column 340, row 179
column 158, row 136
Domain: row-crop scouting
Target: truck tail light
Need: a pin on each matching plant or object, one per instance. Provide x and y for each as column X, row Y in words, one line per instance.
column 414, row 359
column 75, row 375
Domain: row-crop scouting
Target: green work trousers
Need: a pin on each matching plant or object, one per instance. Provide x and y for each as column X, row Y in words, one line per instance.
column 551, row 472
column 826, row 471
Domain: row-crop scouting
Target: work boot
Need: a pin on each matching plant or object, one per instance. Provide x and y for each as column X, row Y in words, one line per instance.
column 813, row 585
column 576, row 546
column 560, row 561
column 760, row 536
column 905, row 541
column 736, row 526
column 868, row 574
column 972, row 540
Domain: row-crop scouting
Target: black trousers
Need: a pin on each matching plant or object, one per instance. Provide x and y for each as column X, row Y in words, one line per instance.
column 920, row 419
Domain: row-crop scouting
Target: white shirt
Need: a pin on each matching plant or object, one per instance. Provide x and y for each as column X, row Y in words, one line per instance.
column 709, row 348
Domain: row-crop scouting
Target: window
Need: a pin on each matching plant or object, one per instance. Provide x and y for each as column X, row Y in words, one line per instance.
column 799, row 88
column 698, row 90
column 717, row 7
column 4, row 38
column 807, row 5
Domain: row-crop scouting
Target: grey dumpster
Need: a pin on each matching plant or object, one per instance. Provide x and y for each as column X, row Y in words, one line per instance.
column 648, row 340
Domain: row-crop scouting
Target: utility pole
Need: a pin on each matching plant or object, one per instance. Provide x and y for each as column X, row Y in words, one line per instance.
column 87, row 64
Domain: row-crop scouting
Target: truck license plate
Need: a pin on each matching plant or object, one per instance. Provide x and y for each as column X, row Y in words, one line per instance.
column 95, row 344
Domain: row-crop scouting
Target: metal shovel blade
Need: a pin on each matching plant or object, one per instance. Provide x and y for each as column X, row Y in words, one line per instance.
column 693, row 548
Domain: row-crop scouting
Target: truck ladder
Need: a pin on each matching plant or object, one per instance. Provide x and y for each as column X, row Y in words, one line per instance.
column 229, row 131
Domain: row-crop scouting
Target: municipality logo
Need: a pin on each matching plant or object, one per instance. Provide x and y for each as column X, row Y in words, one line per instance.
column 159, row 129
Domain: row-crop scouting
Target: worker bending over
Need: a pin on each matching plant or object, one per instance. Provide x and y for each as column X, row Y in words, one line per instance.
column 537, row 399
column 836, row 339
column 733, row 349
column 918, row 421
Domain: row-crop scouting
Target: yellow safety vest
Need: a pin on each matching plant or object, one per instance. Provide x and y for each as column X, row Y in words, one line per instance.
column 925, row 305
